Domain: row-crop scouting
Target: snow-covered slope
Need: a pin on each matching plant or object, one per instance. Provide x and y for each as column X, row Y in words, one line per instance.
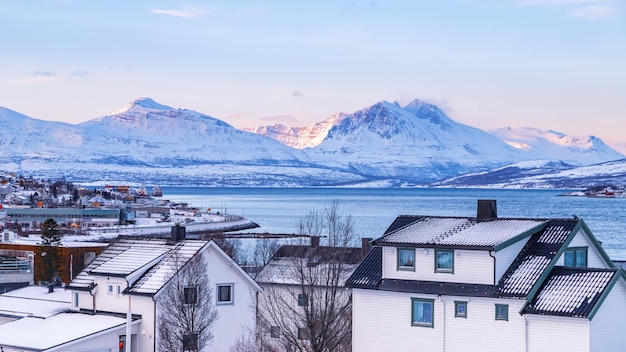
column 384, row 144
column 299, row 137
column 556, row 146
column 417, row 141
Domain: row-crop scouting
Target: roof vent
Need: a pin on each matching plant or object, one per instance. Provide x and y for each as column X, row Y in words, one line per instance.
column 486, row 210
column 178, row 233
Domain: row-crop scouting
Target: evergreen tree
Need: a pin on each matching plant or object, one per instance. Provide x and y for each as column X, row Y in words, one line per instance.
column 50, row 251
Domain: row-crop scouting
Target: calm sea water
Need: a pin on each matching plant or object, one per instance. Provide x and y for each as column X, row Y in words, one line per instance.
column 277, row 210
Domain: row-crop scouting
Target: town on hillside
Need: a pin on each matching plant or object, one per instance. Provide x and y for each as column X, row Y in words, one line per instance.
column 118, row 269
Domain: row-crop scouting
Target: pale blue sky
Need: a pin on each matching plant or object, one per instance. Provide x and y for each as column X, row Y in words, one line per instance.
column 550, row 64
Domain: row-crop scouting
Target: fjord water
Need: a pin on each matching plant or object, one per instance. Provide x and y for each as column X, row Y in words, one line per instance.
column 277, row 210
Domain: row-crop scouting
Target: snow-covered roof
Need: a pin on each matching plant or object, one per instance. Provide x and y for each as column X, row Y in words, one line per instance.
column 34, row 301
column 535, row 257
column 283, row 267
column 571, row 292
column 55, row 331
column 458, row 232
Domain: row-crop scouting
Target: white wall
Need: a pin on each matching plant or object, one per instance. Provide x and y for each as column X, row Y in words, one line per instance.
column 506, row 256
column 108, row 341
column 607, row 326
column 551, row 333
column 237, row 318
column 382, row 322
column 470, row 266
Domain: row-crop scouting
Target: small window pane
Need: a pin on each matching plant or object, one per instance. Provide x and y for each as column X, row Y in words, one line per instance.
column 302, row 334
column 502, row 312
column 445, row 261
column 224, row 293
column 190, row 342
column 191, row 295
column 460, row 309
column 303, row 299
column 422, row 312
column 406, row 258
column 569, row 258
column 275, row 331
column 581, row 258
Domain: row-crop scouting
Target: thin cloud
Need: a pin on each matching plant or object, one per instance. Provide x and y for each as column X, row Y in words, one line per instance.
column 297, row 94
column 179, row 13
column 80, row 73
column 287, row 120
column 592, row 12
column 45, row 74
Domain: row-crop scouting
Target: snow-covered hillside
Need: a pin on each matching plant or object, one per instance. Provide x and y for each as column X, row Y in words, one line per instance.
column 556, row 146
column 384, row 144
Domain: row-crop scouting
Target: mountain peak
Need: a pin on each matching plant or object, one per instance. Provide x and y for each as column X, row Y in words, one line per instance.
column 142, row 104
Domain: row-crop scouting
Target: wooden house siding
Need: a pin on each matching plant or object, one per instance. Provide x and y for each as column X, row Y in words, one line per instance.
column 470, row 266
column 380, row 314
column 606, row 326
column 553, row 333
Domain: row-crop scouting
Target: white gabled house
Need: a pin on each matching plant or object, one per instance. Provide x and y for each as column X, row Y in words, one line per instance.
column 485, row 283
column 130, row 275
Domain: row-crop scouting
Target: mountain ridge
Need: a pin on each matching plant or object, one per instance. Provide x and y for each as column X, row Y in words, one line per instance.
column 383, row 144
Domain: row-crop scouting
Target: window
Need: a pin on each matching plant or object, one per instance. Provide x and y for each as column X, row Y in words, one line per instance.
column 422, row 312
column 224, row 293
column 303, row 300
column 190, row 342
column 302, row 334
column 191, row 295
column 406, row 259
column 444, row 261
column 110, row 289
column 502, row 312
column 576, row 257
column 460, row 309
column 118, row 290
column 275, row 331
column 76, row 299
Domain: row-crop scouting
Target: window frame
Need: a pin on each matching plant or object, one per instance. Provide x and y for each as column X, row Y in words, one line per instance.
column 303, row 299
column 444, row 270
column 110, row 289
column 458, row 304
column 190, row 298
column 404, row 267
column 501, row 317
column 575, row 251
column 430, row 324
column 190, row 342
column 303, row 334
column 274, row 331
column 231, row 293
column 76, row 296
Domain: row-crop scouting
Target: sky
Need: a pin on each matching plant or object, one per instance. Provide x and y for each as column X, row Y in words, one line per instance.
column 550, row 64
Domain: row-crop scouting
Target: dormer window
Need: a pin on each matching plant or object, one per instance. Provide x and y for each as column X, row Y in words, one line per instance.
column 575, row 257
column 406, row 259
column 444, row 261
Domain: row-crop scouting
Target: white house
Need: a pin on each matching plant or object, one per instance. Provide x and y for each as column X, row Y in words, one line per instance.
column 119, row 294
column 485, row 283
column 304, row 302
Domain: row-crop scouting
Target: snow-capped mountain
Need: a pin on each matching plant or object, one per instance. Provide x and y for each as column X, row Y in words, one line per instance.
column 384, row 144
column 556, row 146
column 417, row 141
column 299, row 137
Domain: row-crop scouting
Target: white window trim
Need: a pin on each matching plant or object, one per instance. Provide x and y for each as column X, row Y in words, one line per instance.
column 232, row 293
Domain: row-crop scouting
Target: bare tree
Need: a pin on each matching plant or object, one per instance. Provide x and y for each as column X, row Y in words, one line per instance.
column 186, row 310
column 304, row 305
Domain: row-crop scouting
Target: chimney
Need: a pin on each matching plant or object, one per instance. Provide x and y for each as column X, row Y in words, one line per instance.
column 487, row 209
column 178, row 233
column 315, row 241
column 365, row 242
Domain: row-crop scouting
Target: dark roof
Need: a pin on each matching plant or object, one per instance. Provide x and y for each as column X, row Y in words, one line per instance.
column 534, row 258
column 571, row 292
column 370, row 272
column 322, row 254
column 437, row 288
